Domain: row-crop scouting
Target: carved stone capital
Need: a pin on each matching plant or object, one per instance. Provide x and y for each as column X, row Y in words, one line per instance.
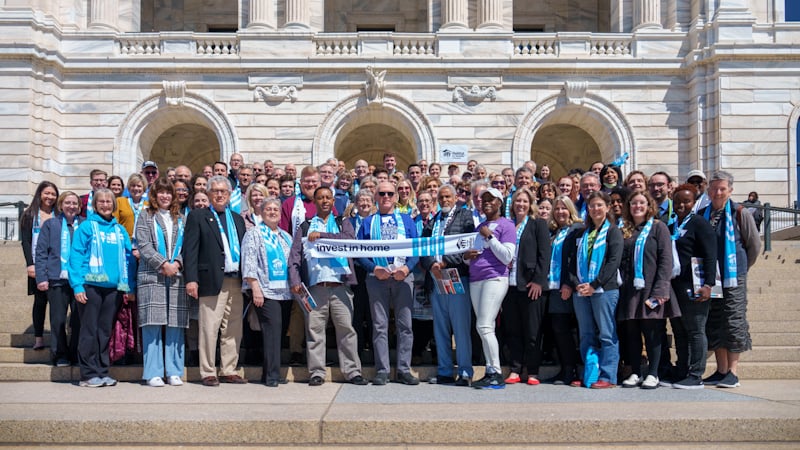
column 275, row 93
column 474, row 94
column 575, row 91
column 174, row 92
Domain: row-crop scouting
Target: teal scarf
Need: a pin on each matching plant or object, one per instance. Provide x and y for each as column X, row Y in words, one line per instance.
column 233, row 238
column 162, row 245
column 729, row 263
column 276, row 257
column 339, row 265
column 554, row 277
column 375, row 233
column 97, row 272
column 638, row 255
column 589, row 267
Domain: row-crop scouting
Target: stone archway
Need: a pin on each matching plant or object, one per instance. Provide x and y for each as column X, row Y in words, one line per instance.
column 563, row 147
column 153, row 116
column 394, row 114
column 595, row 116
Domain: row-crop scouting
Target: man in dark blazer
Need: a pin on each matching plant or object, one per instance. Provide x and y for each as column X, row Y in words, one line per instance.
column 212, row 274
column 451, row 312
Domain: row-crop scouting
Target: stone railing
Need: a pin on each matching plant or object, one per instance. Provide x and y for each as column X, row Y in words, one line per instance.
column 619, row 46
column 140, row 44
column 415, row 45
column 539, row 45
column 217, row 45
column 336, row 45
column 536, row 46
column 349, row 44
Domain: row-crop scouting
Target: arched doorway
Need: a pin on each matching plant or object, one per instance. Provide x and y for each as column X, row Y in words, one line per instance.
column 563, row 147
column 190, row 144
column 370, row 142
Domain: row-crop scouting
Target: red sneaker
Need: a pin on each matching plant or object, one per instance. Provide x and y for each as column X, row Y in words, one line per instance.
column 602, row 384
column 533, row 381
column 513, row 379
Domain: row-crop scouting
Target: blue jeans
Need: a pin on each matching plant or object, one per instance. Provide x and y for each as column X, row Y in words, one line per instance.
column 452, row 315
column 598, row 329
column 155, row 356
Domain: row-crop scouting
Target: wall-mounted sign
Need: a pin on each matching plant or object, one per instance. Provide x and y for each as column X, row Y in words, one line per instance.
column 450, row 153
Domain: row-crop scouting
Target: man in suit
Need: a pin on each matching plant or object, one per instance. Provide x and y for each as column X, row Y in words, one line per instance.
column 451, row 312
column 98, row 180
column 211, row 260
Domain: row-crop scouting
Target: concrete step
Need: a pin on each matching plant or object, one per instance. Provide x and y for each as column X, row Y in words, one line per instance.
column 24, row 355
column 21, row 339
column 775, row 326
column 761, row 354
column 771, row 315
column 777, row 339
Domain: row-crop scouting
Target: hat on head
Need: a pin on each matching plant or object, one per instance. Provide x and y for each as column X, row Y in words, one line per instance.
column 147, row 164
column 696, row 173
column 495, row 193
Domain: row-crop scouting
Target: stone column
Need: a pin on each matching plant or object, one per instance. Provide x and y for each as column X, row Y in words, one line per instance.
column 647, row 14
column 103, row 14
column 490, row 13
column 297, row 14
column 261, row 14
column 454, row 13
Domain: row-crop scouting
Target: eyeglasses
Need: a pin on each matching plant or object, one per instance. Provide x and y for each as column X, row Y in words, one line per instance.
column 181, row 190
column 386, row 194
column 464, row 191
column 401, row 188
column 219, row 192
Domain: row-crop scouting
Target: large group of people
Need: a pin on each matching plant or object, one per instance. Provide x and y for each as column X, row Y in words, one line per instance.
column 205, row 260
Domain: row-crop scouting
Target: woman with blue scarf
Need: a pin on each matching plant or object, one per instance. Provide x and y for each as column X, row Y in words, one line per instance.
column 646, row 269
column 101, row 273
column 265, row 256
column 565, row 227
column 162, row 299
column 52, row 273
column 593, row 274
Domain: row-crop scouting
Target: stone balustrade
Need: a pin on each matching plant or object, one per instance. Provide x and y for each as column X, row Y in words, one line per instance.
column 415, row 45
column 610, row 47
column 140, row 45
column 217, row 46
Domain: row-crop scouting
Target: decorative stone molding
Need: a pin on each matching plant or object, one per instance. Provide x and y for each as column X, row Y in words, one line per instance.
column 474, row 94
column 576, row 91
column 374, row 87
column 174, row 91
column 275, row 93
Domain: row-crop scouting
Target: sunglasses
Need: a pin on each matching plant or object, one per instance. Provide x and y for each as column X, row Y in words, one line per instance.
column 498, row 183
column 463, row 191
column 386, row 194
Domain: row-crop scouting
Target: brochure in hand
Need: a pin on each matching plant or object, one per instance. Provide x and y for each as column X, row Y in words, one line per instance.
column 449, row 283
column 305, row 299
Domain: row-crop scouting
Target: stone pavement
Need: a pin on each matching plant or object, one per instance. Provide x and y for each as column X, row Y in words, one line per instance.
column 760, row 414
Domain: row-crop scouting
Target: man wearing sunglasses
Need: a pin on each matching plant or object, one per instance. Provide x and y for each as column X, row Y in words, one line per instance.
column 390, row 284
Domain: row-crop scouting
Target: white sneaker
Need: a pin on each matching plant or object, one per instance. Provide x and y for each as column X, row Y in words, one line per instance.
column 632, row 381
column 155, row 382
column 650, row 382
column 175, row 380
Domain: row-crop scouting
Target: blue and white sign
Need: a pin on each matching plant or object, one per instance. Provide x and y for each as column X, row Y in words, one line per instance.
column 452, row 153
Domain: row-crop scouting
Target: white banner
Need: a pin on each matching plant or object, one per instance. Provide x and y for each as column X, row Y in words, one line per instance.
column 353, row 248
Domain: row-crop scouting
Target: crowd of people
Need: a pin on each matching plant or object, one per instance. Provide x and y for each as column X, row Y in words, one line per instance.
column 585, row 269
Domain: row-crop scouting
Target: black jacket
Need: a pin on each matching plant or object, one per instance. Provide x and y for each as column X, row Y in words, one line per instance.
column 533, row 255
column 203, row 251
column 607, row 276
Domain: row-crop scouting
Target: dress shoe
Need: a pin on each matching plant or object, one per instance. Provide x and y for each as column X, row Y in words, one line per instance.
column 271, row 383
column 576, row 383
column 210, row 381
column 380, row 379
column 358, row 380
column 602, row 384
column 316, row 380
column 442, row 379
column 232, row 379
column 407, row 378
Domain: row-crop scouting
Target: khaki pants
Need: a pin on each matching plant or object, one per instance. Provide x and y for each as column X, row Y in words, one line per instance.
column 221, row 313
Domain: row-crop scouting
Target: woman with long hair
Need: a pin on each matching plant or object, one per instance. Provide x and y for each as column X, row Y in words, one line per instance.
column 406, row 200
column 646, row 269
column 255, row 196
column 182, row 192
column 102, row 275
column 41, row 209
column 593, row 275
column 52, row 277
column 162, row 299
column 524, row 306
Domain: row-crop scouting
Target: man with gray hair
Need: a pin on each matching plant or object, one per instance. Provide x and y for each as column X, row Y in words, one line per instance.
column 738, row 245
column 211, row 258
column 590, row 182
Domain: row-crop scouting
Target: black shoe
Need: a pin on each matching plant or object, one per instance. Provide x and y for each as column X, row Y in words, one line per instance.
column 271, row 383
column 380, row 379
column 283, row 381
column 729, row 381
column 713, row 379
column 296, row 359
column 358, row 380
column 442, row 379
column 464, row 381
column 316, row 380
column 490, row 381
column 689, row 382
column 407, row 378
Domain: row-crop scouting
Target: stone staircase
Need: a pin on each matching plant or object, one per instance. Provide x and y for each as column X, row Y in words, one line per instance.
column 774, row 315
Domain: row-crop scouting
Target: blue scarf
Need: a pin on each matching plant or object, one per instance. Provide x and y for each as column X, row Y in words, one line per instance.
column 136, row 210
column 236, row 200
column 375, row 233
column 276, row 258
column 96, row 262
column 554, row 277
column 233, row 238
column 89, row 207
column 638, row 255
column 66, row 245
column 677, row 233
column 729, row 263
column 162, row 245
column 588, row 268
column 340, row 266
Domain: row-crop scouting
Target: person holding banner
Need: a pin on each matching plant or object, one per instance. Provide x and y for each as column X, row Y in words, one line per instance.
column 451, row 311
column 162, row 296
column 211, row 255
column 327, row 280
column 489, row 259
column 265, row 256
column 390, row 283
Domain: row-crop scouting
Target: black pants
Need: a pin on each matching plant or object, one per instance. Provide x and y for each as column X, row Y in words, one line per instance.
column 271, row 320
column 39, row 312
column 651, row 329
column 61, row 298
column 566, row 346
column 97, row 318
column 362, row 318
column 691, row 342
column 523, row 320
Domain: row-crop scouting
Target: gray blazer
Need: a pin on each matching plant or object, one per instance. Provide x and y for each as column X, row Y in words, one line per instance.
column 160, row 303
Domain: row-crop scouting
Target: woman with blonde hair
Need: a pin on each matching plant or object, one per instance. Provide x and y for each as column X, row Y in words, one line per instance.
column 406, row 198
column 254, row 199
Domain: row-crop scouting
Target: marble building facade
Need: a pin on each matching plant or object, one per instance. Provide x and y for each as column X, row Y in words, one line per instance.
column 676, row 84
